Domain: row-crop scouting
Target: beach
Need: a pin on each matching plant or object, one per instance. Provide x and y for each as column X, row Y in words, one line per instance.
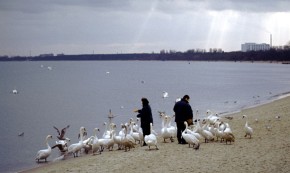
column 267, row 151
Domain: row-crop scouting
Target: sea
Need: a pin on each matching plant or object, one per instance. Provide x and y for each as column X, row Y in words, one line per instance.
column 83, row 93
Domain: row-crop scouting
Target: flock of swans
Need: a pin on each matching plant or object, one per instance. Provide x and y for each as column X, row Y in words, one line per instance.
column 208, row 129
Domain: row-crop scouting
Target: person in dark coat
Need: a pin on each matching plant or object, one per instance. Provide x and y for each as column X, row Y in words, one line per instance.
column 183, row 112
column 145, row 114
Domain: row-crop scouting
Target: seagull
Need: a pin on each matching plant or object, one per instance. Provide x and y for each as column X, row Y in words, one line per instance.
column 165, row 94
column 14, row 91
column 62, row 133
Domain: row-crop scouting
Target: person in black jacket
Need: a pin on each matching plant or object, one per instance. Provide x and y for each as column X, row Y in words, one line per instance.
column 183, row 112
column 145, row 114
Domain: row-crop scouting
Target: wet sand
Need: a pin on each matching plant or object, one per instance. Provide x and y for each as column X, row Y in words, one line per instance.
column 267, row 151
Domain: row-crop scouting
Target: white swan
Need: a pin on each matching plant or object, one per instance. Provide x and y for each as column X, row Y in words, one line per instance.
column 118, row 139
column 168, row 131
column 190, row 138
column 248, row 129
column 151, row 139
column 208, row 136
column 76, row 147
column 135, row 135
column 140, row 130
column 45, row 153
column 107, row 131
column 211, row 118
column 107, row 142
column 127, row 140
column 95, row 142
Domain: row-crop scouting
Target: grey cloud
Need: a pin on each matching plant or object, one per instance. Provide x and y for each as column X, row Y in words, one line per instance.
column 165, row 6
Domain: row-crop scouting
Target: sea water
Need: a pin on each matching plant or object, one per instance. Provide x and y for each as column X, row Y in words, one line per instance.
column 81, row 93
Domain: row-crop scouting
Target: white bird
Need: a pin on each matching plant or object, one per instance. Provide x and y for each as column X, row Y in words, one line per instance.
column 14, row 91
column 118, row 139
column 107, row 131
column 248, row 129
column 211, row 118
column 151, row 139
column 45, row 153
column 127, row 140
column 135, row 135
column 165, row 94
column 208, row 136
column 168, row 131
column 76, row 147
column 107, row 142
column 95, row 142
column 190, row 138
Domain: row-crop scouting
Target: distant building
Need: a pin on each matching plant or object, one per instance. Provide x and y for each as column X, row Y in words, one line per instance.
column 255, row 47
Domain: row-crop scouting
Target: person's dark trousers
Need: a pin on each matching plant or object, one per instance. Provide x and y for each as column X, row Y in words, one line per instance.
column 180, row 128
column 146, row 131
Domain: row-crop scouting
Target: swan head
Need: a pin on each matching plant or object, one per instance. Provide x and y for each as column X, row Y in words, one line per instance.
column 244, row 116
column 161, row 114
column 113, row 125
column 96, row 129
column 48, row 137
column 82, row 129
column 104, row 123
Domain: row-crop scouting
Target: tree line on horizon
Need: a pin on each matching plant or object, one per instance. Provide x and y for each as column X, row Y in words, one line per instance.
column 190, row 55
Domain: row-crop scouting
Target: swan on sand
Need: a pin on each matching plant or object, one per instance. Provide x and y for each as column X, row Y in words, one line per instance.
column 45, row 153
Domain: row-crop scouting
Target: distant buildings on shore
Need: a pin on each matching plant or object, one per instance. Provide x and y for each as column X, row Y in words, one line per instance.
column 255, row 47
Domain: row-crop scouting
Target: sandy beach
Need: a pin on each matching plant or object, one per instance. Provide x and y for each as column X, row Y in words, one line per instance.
column 267, row 151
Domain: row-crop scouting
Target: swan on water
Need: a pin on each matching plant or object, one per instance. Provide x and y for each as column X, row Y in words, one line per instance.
column 151, row 139
column 248, row 129
column 45, row 153
column 76, row 147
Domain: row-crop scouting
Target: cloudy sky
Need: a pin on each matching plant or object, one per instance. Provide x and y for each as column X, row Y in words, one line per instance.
column 33, row 27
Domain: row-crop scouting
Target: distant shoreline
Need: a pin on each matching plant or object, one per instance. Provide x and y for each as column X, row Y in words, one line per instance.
column 272, row 55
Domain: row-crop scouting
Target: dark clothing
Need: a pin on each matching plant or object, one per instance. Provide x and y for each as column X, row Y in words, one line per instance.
column 180, row 128
column 146, row 118
column 183, row 112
